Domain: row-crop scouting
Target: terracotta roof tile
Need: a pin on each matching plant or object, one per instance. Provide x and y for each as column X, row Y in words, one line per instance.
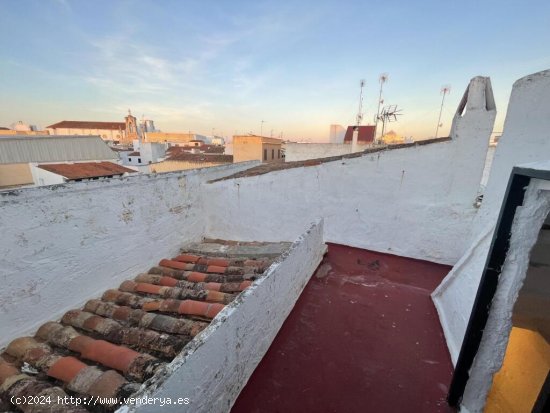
column 79, row 124
column 117, row 342
column 201, row 157
column 17, row 387
column 66, row 368
column 85, row 170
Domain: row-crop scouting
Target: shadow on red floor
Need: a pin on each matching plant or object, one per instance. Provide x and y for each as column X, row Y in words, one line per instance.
column 364, row 336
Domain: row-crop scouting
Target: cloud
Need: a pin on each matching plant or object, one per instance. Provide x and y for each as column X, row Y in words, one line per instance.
column 119, row 65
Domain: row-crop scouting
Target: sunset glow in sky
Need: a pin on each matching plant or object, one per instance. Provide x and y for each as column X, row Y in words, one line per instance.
column 228, row 65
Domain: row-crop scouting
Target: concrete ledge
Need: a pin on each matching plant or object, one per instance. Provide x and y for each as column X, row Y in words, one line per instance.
column 213, row 368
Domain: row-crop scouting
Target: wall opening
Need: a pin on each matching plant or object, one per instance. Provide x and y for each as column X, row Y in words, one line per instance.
column 511, row 278
column 519, row 385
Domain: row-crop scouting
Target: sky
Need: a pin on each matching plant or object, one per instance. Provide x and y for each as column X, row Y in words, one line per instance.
column 226, row 66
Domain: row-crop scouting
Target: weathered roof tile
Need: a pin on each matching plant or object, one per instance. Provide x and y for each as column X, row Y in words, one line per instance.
column 114, row 343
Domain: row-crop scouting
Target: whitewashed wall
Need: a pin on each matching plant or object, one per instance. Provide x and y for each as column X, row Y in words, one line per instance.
column 525, row 230
column 415, row 201
column 526, row 138
column 62, row 245
column 214, row 368
column 42, row 177
column 303, row 151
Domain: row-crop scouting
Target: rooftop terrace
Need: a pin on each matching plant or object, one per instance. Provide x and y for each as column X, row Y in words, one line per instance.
column 364, row 332
column 363, row 336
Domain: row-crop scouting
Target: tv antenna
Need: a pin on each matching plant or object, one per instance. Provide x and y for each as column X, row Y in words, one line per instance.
column 360, row 111
column 262, row 127
column 382, row 79
column 388, row 114
column 445, row 90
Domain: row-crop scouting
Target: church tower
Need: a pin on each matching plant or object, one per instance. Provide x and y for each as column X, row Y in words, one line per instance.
column 131, row 127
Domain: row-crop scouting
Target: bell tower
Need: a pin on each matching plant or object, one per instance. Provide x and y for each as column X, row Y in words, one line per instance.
column 131, row 127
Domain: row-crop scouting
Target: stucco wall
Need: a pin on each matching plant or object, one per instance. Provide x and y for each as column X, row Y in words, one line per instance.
column 303, row 151
column 274, row 152
column 247, row 148
column 107, row 134
column 525, row 230
column 62, row 245
column 213, row 369
column 15, row 174
column 42, row 177
column 415, row 201
column 526, row 138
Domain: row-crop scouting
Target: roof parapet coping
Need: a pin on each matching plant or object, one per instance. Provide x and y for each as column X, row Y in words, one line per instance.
column 273, row 167
column 245, row 328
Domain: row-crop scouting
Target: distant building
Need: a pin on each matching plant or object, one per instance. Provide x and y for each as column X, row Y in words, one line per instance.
column 131, row 127
column 112, row 131
column 260, row 148
column 204, row 148
column 18, row 154
column 337, row 133
column 365, row 134
column 21, row 128
column 340, row 143
column 170, row 137
column 143, row 155
column 58, row 173
column 218, row 140
column 123, row 132
column 392, row 138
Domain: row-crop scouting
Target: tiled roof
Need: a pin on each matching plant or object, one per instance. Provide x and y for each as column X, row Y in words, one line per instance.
column 134, row 154
column 113, row 344
column 202, row 148
column 84, row 170
column 365, row 135
column 200, row 157
column 83, row 124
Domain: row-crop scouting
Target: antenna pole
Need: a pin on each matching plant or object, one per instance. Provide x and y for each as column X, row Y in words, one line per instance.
column 262, row 128
column 383, row 78
column 444, row 91
column 360, row 111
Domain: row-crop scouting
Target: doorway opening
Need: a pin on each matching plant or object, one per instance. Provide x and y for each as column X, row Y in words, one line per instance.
column 519, row 386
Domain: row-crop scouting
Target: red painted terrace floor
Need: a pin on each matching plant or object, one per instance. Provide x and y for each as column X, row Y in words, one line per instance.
column 364, row 336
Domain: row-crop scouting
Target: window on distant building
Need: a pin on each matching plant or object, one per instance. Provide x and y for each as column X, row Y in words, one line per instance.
column 139, row 160
column 129, row 159
column 265, row 154
column 272, row 153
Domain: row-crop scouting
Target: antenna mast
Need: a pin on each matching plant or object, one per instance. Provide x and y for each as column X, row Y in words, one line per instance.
column 445, row 90
column 360, row 111
column 382, row 79
column 388, row 114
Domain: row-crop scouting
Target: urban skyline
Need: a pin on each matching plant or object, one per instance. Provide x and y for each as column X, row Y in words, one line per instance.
column 228, row 67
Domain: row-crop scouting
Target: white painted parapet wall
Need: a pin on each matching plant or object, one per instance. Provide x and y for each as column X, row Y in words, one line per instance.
column 525, row 230
column 415, row 201
column 62, row 245
column 302, row 151
column 214, row 368
column 526, row 138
